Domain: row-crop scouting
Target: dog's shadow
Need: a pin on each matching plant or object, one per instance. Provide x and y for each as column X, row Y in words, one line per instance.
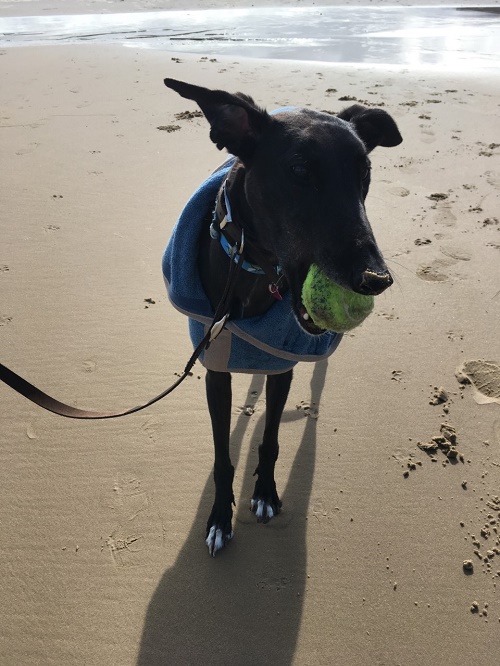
column 244, row 606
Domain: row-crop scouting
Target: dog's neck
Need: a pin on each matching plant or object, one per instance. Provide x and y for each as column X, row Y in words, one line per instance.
column 244, row 217
column 252, row 294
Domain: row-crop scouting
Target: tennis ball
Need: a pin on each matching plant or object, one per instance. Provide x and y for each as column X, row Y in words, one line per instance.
column 331, row 306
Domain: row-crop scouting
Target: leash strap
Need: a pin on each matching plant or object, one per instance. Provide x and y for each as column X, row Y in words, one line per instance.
column 50, row 404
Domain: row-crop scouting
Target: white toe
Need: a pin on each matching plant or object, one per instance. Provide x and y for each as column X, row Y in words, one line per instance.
column 210, row 540
column 219, row 541
column 216, row 540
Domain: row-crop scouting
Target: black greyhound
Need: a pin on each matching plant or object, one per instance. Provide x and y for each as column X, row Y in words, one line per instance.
column 297, row 188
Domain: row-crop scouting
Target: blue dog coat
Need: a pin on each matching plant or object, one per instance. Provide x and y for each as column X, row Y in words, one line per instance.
column 267, row 344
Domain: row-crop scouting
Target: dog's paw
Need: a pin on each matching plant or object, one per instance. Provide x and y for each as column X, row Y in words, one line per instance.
column 217, row 538
column 265, row 509
column 219, row 525
column 265, row 502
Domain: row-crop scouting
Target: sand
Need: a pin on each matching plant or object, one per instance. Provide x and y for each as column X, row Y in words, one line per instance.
column 102, row 559
column 55, row 7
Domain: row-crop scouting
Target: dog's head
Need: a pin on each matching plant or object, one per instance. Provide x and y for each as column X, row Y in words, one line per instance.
column 307, row 177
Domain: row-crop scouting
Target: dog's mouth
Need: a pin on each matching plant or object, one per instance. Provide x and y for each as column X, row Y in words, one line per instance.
column 303, row 316
column 306, row 321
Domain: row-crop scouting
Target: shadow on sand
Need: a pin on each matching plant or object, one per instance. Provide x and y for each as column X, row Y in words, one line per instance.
column 244, row 606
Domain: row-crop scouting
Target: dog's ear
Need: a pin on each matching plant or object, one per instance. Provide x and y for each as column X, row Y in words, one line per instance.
column 236, row 123
column 374, row 127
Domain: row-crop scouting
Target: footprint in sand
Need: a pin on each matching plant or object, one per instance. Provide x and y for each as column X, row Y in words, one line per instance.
column 151, row 427
column 435, row 271
column 428, row 135
column 493, row 179
column 399, row 191
column 456, row 253
column 409, row 165
column 484, row 377
column 140, row 530
column 444, row 215
column 4, row 320
column 89, row 365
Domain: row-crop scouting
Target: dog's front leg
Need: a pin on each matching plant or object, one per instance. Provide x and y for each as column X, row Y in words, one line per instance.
column 265, row 502
column 219, row 528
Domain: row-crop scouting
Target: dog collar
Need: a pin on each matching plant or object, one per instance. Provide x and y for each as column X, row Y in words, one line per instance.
column 230, row 251
column 223, row 226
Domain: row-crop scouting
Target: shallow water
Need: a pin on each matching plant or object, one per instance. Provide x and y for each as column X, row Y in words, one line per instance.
column 425, row 37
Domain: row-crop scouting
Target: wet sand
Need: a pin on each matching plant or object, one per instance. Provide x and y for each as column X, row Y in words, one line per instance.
column 102, row 557
column 35, row 7
column 417, row 37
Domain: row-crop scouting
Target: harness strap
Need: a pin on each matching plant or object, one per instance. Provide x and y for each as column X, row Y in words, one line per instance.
column 230, row 231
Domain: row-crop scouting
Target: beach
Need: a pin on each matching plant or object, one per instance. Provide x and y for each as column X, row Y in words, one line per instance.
column 389, row 467
column 40, row 7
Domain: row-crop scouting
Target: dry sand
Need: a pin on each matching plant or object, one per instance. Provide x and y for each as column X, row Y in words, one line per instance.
column 102, row 559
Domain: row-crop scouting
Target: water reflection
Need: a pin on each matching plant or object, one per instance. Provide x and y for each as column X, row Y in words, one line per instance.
column 405, row 36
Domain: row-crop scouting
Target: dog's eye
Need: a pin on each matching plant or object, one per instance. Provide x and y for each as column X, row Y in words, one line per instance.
column 301, row 171
column 365, row 173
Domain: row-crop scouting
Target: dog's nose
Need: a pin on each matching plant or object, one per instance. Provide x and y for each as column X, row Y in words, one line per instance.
column 372, row 283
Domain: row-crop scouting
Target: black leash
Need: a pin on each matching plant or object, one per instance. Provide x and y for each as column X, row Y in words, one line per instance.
column 45, row 401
